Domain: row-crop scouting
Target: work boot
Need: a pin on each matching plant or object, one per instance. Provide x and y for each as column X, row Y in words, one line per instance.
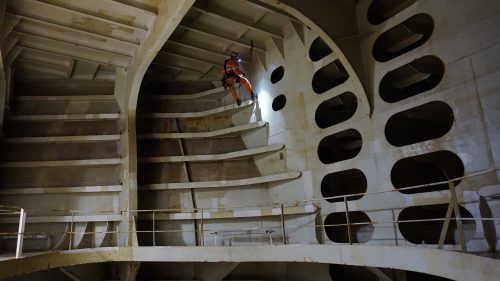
column 238, row 102
column 252, row 95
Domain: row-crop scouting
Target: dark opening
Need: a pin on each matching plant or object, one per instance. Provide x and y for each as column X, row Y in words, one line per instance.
column 416, row 77
column 360, row 233
column 279, row 102
column 336, row 110
column 342, row 183
column 277, row 74
column 319, row 49
column 404, row 37
column 425, row 122
column 340, row 146
column 427, row 168
column 382, row 10
column 417, row 276
column 340, row 272
column 328, row 77
column 428, row 232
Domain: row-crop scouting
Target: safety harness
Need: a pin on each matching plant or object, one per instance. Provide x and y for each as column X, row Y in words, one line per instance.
column 227, row 75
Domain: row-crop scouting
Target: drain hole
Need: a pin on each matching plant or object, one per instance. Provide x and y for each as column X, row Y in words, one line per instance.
column 279, row 102
column 277, row 74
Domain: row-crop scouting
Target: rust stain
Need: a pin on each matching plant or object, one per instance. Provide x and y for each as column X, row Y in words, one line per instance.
column 97, row 26
column 126, row 19
column 63, row 31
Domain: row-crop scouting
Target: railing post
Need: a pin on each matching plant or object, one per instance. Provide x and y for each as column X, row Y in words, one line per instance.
column 458, row 217
column 202, row 236
column 395, row 226
column 154, row 229
column 283, row 230
column 446, row 224
column 71, row 226
column 452, row 208
column 348, row 220
column 20, row 233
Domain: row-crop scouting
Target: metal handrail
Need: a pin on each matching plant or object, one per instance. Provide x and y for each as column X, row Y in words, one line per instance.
column 10, row 210
column 274, row 205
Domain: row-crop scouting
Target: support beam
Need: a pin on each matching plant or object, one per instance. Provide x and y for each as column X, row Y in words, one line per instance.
column 128, row 83
column 4, row 69
column 63, row 139
column 3, row 6
column 9, row 23
column 278, row 43
column 222, row 183
column 230, row 17
column 128, row 271
column 9, row 43
column 69, row 71
column 103, row 217
column 41, row 67
column 379, row 273
column 232, row 214
column 213, row 157
column 231, row 131
column 69, row 274
column 109, row 10
column 205, row 74
column 57, row 31
column 167, row 53
column 60, row 190
column 299, row 29
column 42, row 7
column 55, row 14
column 181, row 68
column 85, row 70
column 12, row 55
column 261, row 56
column 197, row 49
column 228, row 109
column 61, row 163
column 208, row 33
column 44, row 57
column 71, row 50
column 66, row 117
column 61, row 56
column 141, row 5
column 462, row 267
column 269, row 9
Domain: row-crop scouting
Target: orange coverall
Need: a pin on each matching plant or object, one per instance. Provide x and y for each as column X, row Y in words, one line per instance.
column 231, row 74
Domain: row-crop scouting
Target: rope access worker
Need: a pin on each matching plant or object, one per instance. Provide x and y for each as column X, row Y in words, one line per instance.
column 231, row 74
